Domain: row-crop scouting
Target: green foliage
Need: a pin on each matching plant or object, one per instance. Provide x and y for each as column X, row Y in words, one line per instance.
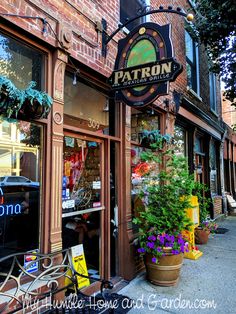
column 200, row 190
column 165, row 195
column 215, row 26
column 12, row 100
column 154, row 139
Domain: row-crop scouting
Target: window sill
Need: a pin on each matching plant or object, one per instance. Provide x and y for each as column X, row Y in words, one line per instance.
column 214, row 112
column 193, row 93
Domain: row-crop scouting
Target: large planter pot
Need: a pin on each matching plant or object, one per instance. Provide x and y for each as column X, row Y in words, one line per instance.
column 201, row 236
column 166, row 272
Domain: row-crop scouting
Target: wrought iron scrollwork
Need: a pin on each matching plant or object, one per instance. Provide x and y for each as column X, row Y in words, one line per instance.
column 144, row 10
column 18, row 286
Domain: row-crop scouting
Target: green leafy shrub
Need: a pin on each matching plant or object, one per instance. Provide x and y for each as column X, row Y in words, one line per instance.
column 165, row 197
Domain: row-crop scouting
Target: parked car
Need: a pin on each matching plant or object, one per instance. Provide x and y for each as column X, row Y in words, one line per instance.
column 17, row 180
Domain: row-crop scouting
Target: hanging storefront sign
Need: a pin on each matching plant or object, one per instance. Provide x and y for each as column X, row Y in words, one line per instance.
column 144, row 65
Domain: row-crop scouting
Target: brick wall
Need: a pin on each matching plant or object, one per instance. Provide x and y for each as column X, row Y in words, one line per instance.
column 228, row 112
column 78, row 19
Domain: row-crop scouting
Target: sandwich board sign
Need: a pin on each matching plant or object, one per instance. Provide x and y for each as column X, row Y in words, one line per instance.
column 79, row 264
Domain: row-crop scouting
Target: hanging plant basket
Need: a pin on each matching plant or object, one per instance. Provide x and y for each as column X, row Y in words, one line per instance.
column 23, row 104
column 153, row 139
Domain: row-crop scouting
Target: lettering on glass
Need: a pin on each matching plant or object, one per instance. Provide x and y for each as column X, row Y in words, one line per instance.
column 8, row 209
column 93, row 123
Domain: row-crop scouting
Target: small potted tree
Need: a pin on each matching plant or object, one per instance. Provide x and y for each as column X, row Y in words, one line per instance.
column 165, row 196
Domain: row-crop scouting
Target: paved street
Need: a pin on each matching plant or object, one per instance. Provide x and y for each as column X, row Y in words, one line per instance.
column 209, row 282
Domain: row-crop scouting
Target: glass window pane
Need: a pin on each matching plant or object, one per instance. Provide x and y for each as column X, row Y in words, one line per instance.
column 189, row 47
column 81, row 175
column 20, row 161
column 198, row 145
column 19, row 63
column 141, row 122
column 189, row 75
column 213, row 169
column 82, row 198
column 84, row 229
column 88, row 107
column 180, row 141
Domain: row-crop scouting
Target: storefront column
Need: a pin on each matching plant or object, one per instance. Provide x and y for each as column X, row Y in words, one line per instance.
column 60, row 60
column 126, row 247
column 170, row 123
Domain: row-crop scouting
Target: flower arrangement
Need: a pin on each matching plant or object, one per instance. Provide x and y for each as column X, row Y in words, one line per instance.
column 160, row 244
column 209, row 225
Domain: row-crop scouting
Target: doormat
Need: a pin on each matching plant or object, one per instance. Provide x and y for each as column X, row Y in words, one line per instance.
column 221, row 230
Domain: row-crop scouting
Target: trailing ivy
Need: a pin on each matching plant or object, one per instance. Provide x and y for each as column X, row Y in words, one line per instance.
column 14, row 100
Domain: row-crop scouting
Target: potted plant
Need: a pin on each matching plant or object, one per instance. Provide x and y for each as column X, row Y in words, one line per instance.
column 165, row 196
column 29, row 103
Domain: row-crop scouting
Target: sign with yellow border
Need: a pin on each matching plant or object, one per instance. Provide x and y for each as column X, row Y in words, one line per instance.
column 79, row 264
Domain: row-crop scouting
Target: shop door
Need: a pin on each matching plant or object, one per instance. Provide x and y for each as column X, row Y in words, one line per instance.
column 83, row 197
column 200, row 167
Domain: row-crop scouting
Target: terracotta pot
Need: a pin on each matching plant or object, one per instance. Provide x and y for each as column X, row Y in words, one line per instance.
column 166, row 272
column 201, row 236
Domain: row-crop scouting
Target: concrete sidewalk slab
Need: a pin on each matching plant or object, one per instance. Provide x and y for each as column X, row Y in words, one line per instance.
column 207, row 285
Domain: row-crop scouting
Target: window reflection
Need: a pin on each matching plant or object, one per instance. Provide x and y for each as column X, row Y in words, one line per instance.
column 20, row 63
column 86, row 107
column 20, row 151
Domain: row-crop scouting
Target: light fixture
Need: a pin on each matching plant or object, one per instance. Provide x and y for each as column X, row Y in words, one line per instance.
column 75, row 77
column 106, row 107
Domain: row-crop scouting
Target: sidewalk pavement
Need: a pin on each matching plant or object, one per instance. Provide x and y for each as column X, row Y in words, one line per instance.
column 207, row 285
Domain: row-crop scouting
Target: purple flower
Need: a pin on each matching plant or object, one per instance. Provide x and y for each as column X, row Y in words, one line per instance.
column 180, row 241
column 152, row 238
column 154, row 259
column 182, row 249
column 175, row 252
column 150, row 245
column 159, row 249
column 141, row 250
column 162, row 239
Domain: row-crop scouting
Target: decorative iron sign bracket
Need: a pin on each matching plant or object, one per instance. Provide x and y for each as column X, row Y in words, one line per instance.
column 146, row 11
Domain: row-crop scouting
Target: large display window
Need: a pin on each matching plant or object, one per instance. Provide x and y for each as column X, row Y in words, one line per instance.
column 142, row 126
column 82, row 197
column 88, row 108
column 20, row 177
column 20, row 153
column 20, row 63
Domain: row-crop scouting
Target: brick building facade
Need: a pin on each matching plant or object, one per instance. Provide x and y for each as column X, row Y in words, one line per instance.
column 84, row 156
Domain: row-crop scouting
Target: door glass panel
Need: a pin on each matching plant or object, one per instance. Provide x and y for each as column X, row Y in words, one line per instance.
column 82, row 199
column 81, row 187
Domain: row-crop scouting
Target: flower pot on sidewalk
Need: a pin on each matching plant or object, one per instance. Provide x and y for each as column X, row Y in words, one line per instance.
column 201, row 236
column 166, row 272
